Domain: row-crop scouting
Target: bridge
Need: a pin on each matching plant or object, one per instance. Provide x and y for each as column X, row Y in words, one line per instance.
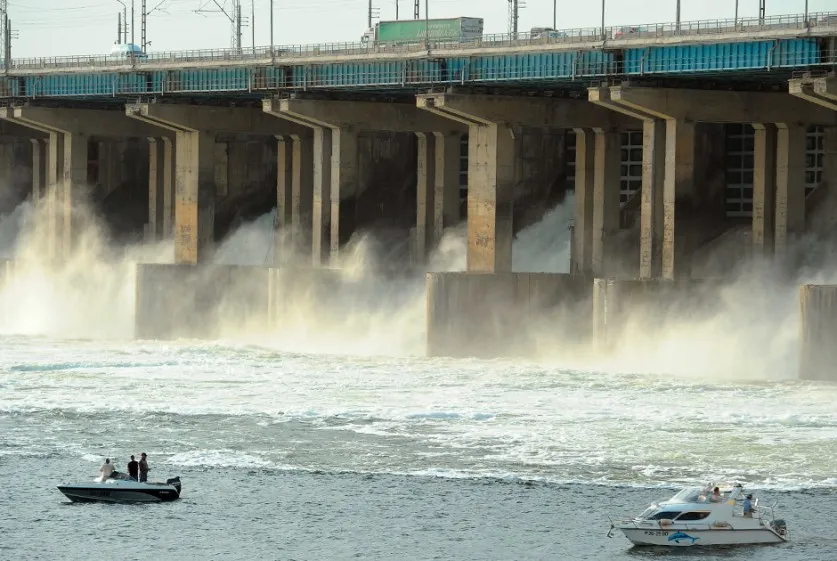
column 746, row 49
column 674, row 140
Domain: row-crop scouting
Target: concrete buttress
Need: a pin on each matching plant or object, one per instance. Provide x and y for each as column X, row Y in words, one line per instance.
column 337, row 123
column 195, row 129
column 764, row 189
column 493, row 122
column 582, row 241
column 66, row 167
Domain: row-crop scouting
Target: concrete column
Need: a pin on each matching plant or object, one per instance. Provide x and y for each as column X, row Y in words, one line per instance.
column 446, row 184
column 790, row 184
column 651, row 212
column 425, row 193
column 284, row 204
column 156, row 180
column 679, row 185
column 606, row 177
column 582, row 250
column 195, row 196
column 55, row 164
column 74, row 182
column 302, row 169
column 492, row 156
column 321, row 217
column 344, row 178
column 830, row 157
column 39, row 172
column 168, row 192
column 764, row 189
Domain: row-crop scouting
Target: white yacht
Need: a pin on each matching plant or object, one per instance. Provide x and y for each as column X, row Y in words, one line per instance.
column 696, row 516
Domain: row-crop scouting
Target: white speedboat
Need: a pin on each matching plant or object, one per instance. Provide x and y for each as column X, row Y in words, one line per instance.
column 122, row 489
column 693, row 517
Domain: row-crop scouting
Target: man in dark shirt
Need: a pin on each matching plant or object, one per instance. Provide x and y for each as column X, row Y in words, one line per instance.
column 133, row 468
column 143, row 468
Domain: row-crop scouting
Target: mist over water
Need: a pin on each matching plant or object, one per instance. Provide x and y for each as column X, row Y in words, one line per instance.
column 749, row 330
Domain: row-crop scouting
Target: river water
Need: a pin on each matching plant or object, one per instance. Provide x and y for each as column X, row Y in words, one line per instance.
column 302, row 456
column 350, row 444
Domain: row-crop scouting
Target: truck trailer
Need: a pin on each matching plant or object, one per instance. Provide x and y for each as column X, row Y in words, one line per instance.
column 415, row 30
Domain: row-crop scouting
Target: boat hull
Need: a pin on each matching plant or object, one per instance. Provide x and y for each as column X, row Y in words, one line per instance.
column 689, row 538
column 121, row 492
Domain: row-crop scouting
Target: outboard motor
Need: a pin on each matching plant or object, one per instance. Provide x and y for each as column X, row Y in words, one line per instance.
column 174, row 481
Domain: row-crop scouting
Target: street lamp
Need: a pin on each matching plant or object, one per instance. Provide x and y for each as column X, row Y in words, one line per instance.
column 603, row 20
column 124, row 21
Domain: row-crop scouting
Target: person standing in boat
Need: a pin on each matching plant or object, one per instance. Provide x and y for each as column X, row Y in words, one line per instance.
column 716, row 496
column 107, row 469
column 133, row 468
column 748, row 507
column 143, row 468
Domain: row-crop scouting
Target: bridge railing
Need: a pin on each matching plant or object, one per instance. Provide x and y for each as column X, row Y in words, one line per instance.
column 742, row 26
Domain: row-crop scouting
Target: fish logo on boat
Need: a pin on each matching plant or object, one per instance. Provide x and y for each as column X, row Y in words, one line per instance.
column 678, row 536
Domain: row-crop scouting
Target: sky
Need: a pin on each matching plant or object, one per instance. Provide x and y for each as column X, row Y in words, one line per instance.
column 43, row 28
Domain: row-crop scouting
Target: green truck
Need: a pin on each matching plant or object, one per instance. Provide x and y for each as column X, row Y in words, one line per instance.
column 414, row 30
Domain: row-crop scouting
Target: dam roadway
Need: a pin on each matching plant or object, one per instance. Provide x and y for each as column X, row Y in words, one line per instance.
column 670, row 137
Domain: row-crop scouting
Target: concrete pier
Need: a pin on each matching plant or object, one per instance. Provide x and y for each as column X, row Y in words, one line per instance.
column 195, row 129
column 502, row 314
column 644, row 306
column 494, row 124
column 65, row 169
column 818, row 345
column 186, row 301
column 337, row 158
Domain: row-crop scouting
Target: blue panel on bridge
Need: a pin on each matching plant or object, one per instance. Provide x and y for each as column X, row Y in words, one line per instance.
column 722, row 57
column 539, row 66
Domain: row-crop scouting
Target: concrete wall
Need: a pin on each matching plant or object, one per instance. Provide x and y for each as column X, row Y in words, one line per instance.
column 184, row 301
column 15, row 173
column 541, row 174
column 245, row 177
column 818, row 349
column 489, row 315
column 119, row 185
column 645, row 305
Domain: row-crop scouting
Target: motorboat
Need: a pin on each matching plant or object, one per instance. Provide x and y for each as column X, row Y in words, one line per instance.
column 694, row 517
column 120, row 488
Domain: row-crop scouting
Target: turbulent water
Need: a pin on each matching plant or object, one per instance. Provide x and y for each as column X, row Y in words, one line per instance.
column 380, row 453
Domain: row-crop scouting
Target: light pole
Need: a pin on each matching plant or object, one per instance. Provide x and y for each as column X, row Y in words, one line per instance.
column 272, row 56
column 603, row 20
column 554, row 14
column 427, row 24
column 735, row 24
column 806, row 14
column 124, row 22
column 678, row 15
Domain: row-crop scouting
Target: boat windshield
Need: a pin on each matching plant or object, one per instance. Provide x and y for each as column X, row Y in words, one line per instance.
column 687, row 495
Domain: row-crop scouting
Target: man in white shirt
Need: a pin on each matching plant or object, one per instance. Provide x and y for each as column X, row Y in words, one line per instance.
column 106, row 469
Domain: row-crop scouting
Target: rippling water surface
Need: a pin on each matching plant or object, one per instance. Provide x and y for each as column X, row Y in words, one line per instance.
column 290, row 456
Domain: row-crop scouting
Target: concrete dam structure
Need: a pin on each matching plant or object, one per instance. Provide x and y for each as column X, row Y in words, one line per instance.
column 672, row 142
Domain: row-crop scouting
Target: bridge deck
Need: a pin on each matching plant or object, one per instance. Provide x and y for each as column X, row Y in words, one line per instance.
column 721, row 48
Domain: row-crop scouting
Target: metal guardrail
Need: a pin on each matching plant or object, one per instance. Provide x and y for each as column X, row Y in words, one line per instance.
column 689, row 29
column 396, row 77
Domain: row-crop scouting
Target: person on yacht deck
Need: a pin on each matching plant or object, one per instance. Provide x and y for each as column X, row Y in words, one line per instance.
column 748, row 506
column 716, row 496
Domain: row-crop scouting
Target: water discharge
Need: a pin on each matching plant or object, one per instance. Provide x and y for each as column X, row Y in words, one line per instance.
column 750, row 334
